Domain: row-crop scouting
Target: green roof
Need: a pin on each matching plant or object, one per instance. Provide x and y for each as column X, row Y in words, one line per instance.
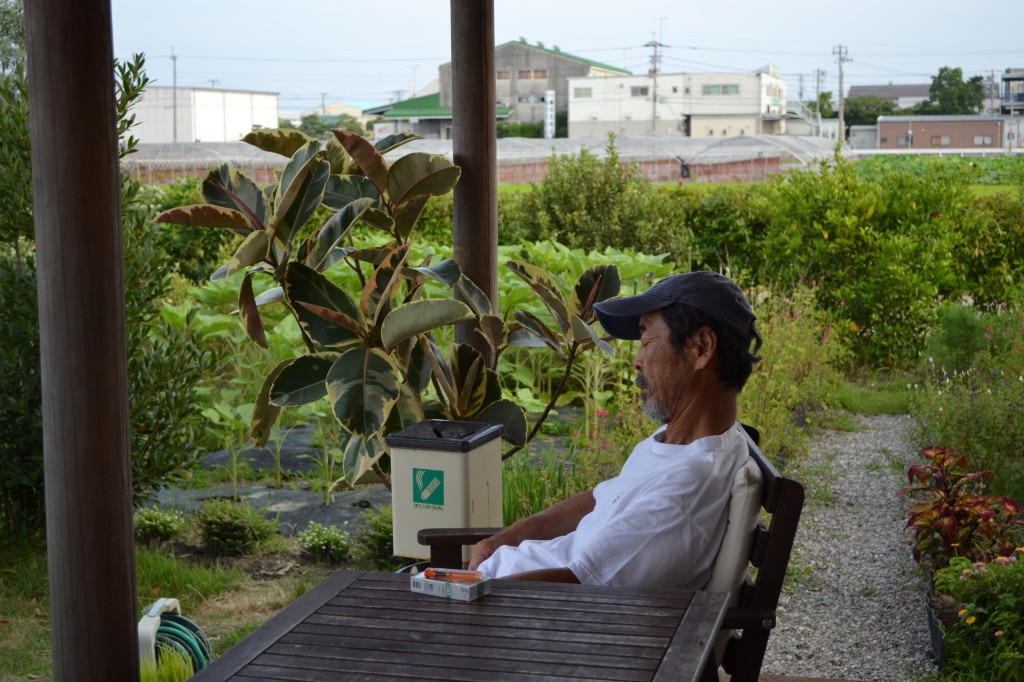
column 599, row 65
column 428, row 106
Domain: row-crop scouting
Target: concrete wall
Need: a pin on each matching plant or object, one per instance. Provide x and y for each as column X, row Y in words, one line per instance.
column 203, row 115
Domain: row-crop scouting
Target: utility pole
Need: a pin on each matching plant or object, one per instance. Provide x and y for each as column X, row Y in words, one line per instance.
column 174, row 95
column 841, row 56
column 323, row 103
column 654, row 84
column 801, row 88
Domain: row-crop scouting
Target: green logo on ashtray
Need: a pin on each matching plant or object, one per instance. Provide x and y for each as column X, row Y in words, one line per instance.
column 428, row 488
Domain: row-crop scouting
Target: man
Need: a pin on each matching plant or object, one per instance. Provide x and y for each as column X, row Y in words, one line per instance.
column 660, row 521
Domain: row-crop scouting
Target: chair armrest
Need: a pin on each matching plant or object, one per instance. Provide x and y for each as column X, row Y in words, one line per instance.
column 446, row 543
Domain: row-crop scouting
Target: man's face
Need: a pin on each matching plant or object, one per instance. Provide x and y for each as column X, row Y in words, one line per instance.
column 661, row 370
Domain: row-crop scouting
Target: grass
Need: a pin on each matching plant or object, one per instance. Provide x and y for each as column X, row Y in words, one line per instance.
column 221, row 598
column 874, row 395
column 989, row 190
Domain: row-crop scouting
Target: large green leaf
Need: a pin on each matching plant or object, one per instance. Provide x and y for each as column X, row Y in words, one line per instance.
column 283, row 141
column 341, row 162
column 249, row 312
column 472, row 382
column 302, row 381
column 446, row 272
column 205, row 215
column 366, row 157
column 342, row 190
column 252, row 250
column 545, row 286
column 420, row 317
column 419, row 174
column 584, row 333
column 407, row 214
column 334, row 317
column 363, row 385
column 380, row 220
column 376, row 298
column 307, row 200
column 265, row 413
column 292, row 179
column 509, row 415
column 538, row 329
column 334, row 230
column 390, row 142
column 474, row 296
column 303, row 284
column 230, row 188
column 360, row 456
column 597, row 284
column 494, row 330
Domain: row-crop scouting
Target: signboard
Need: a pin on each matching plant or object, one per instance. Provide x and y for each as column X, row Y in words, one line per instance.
column 428, row 488
column 549, row 114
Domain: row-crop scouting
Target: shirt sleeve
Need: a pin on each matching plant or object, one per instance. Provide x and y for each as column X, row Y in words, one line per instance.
column 651, row 541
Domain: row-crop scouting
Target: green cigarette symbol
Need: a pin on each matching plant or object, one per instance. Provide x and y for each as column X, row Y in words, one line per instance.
column 429, row 487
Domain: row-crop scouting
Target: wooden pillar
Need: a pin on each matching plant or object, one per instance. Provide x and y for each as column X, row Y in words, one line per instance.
column 86, row 445
column 474, row 144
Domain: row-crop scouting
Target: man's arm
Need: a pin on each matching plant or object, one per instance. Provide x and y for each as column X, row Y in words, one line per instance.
column 553, row 522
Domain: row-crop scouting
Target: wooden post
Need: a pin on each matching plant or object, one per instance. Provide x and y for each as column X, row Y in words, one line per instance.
column 86, row 445
column 474, row 145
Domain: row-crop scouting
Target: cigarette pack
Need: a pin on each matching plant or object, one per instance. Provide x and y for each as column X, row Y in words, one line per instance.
column 457, row 589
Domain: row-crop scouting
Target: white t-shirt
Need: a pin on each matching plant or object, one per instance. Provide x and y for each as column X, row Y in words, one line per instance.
column 657, row 524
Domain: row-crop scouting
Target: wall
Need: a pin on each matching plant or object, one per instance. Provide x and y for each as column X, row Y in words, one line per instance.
column 960, row 133
column 204, row 115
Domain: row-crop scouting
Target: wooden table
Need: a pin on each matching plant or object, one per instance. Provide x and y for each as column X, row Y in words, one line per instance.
column 358, row 625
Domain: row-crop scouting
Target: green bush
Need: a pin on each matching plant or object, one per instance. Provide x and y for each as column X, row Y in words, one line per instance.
column 879, row 251
column 157, row 525
column 233, row 528
column 989, row 254
column 372, row 545
column 329, row 544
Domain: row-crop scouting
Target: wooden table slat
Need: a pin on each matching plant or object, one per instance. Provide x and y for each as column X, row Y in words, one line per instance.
column 260, row 673
column 589, row 636
column 484, row 664
column 455, row 646
column 569, row 643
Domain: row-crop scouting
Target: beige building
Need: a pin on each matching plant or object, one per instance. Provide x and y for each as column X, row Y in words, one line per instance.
column 678, row 105
column 937, row 132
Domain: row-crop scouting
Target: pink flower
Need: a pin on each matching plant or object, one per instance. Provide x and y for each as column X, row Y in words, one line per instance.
column 1002, row 560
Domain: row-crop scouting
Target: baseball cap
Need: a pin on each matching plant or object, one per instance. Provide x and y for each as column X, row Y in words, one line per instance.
column 715, row 295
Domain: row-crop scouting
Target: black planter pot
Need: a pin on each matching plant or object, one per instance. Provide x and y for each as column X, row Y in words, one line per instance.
column 935, row 627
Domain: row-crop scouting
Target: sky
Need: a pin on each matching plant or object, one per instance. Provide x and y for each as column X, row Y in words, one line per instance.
column 367, row 53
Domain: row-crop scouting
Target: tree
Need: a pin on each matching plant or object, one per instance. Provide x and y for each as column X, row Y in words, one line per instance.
column 825, row 105
column 864, row 111
column 15, row 153
column 951, row 94
column 12, row 35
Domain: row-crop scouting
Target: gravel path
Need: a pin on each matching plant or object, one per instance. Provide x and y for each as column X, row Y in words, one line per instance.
column 856, row 608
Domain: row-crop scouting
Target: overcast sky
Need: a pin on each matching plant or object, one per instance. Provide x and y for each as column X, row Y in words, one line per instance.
column 366, row 52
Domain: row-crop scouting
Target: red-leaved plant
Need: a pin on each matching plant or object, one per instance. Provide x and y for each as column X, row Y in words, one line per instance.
column 958, row 518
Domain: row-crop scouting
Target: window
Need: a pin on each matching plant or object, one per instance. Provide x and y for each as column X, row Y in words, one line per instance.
column 903, row 141
column 730, row 89
column 675, row 89
column 504, row 75
column 638, row 91
column 940, row 140
column 982, row 140
column 711, row 90
column 540, row 73
column 525, row 73
column 884, row 140
column 582, row 93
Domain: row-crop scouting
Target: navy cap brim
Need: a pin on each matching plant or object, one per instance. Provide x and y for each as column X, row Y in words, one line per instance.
column 620, row 317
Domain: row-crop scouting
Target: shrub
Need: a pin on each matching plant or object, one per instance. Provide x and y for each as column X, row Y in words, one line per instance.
column 989, row 254
column 325, row 543
column 233, row 528
column 157, row 525
column 372, row 545
column 986, row 640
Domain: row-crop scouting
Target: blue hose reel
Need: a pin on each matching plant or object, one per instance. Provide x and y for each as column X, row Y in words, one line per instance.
column 163, row 628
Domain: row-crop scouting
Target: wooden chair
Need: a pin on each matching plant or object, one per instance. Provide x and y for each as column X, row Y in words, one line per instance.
column 753, row 616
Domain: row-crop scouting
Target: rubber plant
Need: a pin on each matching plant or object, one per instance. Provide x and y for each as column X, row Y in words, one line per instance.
column 372, row 353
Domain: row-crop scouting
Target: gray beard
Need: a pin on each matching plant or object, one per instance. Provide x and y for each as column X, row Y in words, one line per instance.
column 653, row 409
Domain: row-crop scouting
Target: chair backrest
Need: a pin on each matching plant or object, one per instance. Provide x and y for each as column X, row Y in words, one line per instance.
column 752, row 614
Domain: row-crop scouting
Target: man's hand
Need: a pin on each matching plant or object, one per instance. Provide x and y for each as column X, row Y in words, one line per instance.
column 482, row 551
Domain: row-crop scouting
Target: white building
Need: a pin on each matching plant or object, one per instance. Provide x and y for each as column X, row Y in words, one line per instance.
column 688, row 105
column 202, row 114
